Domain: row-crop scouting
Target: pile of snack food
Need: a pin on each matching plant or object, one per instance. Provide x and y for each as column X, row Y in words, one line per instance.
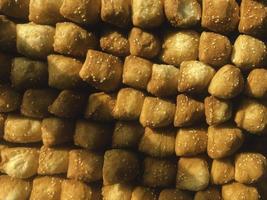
column 133, row 99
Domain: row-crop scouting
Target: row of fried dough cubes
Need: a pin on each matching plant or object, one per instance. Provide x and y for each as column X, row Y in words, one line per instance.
column 124, row 166
column 55, row 188
column 217, row 141
column 250, row 114
column 217, row 16
column 38, row 41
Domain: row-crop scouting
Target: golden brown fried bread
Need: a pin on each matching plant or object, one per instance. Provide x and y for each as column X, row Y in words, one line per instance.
column 159, row 172
column 117, row 191
column 158, row 142
column 227, row 83
column 120, row 166
column 114, row 41
column 72, row 40
column 10, row 99
column 163, row 81
column 189, row 111
column 180, row 46
column 136, row 72
column 101, row 70
column 182, row 13
column 15, row 8
column 222, row 171
column 85, row 166
column 144, row 193
column 191, row 141
column 193, row 174
column 214, row 49
column 157, row 112
column 220, row 15
column 217, row 110
column 211, row 193
column 224, row 140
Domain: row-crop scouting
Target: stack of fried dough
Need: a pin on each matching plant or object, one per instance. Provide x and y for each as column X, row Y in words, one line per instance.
column 133, row 100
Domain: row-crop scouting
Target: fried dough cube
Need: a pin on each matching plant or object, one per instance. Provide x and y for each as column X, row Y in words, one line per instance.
column 5, row 67
column 180, row 46
column 127, row 134
column 100, row 106
column 128, row 108
column 85, row 165
column 92, row 135
column 46, row 187
column 214, row 49
column 19, row 162
column 191, row 141
column 117, row 191
column 35, row 102
column 188, row 111
column 159, row 172
column 217, row 110
column 34, row 40
column 64, row 72
column 120, row 166
column 136, row 72
column 73, row 189
column 256, row 85
column 116, row 12
column 163, row 81
column 224, row 140
column 57, row 131
column 27, row 73
column 158, row 142
column 248, row 52
column 14, row 188
column 210, row 193
column 252, row 116
column 147, row 14
column 72, row 40
column 144, row 193
column 157, row 112
column 45, row 11
column 227, row 83
column 68, row 104
column 182, row 13
column 21, row 129
column 101, row 70
column 250, row 167
column 237, row 191
column 81, row 11
column 114, row 41
column 53, row 161
column 193, row 174
column 194, row 77
column 220, row 16
column 10, row 99
column 143, row 43
column 222, row 171
column 7, row 34
column 2, row 125
column 15, row 8
column 168, row 194
column 253, row 17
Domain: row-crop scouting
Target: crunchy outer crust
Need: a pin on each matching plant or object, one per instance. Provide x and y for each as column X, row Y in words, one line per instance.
column 144, row 193
column 147, row 14
column 161, row 117
column 224, row 140
column 182, row 13
column 211, row 193
column 53, row 161
column 101, row 70
column 81, row 11
column 136, row 72
column 163, row 81
column 116, row 12
column 117, row 191
column 214, row 49
column 45, row 11
column 220, row 15
column 71, row 39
